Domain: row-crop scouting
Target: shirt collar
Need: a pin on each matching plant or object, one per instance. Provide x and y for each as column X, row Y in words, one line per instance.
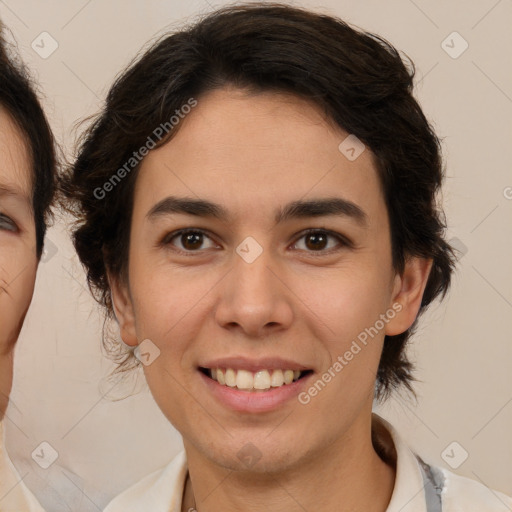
column 409, row 489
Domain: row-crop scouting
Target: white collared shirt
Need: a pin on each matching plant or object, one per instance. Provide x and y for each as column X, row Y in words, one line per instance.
column 418, row 486
column 14, row 494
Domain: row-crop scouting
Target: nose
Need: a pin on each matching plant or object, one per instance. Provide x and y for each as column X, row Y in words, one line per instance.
column 254, row 298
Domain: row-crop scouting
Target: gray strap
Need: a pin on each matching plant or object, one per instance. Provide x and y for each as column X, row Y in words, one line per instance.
column 434, row 483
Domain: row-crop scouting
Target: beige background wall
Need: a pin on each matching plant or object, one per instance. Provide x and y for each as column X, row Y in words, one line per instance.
column 463, row 348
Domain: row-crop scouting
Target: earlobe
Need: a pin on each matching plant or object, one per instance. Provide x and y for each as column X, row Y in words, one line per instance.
column 123, row 310
column 408, row 292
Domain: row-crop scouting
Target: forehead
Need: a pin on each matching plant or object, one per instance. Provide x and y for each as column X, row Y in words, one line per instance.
column 250, row 150
column 15, row 167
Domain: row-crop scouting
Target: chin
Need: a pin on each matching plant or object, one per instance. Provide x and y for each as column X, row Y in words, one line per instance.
column 259, row 456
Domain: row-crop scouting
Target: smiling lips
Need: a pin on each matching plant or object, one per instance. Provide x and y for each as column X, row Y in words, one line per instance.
column 261, row 380
column 254, row 386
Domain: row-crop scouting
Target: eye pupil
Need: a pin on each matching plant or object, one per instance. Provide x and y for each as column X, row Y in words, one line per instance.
column 319, row 240
column 192, row 240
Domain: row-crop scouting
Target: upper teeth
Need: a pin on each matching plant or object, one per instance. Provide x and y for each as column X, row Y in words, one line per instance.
column 262, row 379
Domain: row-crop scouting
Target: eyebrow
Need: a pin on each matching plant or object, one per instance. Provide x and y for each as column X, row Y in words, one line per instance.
column 294, row 210
column 11, row 191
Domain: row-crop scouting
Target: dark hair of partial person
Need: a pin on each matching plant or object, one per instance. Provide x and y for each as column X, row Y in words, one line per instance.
column 358, row 79
column 19, row 98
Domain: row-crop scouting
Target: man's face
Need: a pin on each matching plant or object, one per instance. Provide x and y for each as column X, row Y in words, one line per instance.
column 264, row 289
column 18, row 261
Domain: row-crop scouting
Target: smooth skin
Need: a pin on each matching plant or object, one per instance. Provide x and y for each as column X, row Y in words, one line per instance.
column 300, row 300
column 18, row 260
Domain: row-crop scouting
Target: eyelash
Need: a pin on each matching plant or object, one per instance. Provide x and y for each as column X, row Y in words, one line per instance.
column 343, row 241
column 6, row 220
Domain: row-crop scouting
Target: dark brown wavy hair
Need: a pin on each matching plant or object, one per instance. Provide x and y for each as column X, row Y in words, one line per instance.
column 357, row 78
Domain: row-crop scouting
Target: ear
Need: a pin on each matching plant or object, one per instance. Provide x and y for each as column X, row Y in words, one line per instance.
column 123, row 309
column 408, row 291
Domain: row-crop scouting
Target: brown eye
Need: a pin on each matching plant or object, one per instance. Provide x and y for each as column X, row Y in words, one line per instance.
column 320, row 241
column 190, row 240
column 316, row 241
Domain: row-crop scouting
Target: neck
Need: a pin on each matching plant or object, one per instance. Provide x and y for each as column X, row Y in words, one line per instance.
column 347, row 475
column 6, row 372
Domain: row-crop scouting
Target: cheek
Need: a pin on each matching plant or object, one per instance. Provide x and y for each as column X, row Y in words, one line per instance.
column 167, row 303
column 353, row 305
column 17, row 279
column 347, row 300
